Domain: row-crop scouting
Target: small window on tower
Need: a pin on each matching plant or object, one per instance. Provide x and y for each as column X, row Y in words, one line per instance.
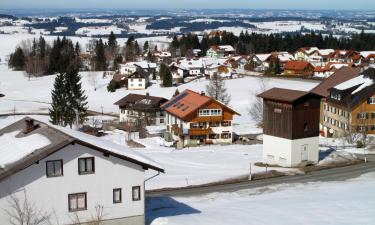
column 278, row 111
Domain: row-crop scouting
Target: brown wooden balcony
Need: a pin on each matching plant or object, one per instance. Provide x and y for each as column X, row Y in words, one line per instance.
column 200, row 131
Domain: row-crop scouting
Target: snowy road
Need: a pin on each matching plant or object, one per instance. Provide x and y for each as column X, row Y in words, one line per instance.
column 336, row 174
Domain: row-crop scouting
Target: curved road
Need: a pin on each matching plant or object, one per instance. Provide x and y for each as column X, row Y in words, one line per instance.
column 335, row 174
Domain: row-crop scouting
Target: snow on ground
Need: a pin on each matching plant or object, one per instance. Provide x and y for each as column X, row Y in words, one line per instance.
column 345, row 203
column 34, row 95
column 102, row 30
column 201, row 165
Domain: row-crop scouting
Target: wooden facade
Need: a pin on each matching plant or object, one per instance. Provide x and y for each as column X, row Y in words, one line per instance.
column 292, row 120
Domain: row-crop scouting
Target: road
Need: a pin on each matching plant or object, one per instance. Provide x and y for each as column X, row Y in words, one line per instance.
column 335, row 174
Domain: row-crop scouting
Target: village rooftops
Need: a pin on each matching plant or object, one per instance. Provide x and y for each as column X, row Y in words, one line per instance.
column 27, row 141
column 188, row 102
column 283, row 95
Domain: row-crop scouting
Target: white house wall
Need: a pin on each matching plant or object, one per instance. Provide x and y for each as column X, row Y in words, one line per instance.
column 51, row 194
column 286, row 152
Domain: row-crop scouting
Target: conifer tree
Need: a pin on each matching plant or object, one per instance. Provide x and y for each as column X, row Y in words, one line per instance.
column 167, row 77
column 17, row 59
column 77, row 100
column 100, row 60
column 59, row 104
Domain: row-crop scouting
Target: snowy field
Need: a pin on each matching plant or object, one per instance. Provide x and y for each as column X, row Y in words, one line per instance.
column 332, row 203
column 34, row 95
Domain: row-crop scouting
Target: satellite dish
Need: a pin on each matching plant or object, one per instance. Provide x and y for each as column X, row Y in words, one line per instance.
column 331, row 131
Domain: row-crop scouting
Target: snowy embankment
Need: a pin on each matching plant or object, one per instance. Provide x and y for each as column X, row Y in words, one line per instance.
column 345, row 203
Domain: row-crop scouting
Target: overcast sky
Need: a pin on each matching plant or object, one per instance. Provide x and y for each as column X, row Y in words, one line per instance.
column 185, row 4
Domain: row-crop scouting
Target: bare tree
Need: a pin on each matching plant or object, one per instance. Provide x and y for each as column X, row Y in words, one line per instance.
column 217, row 90
column 93, row 79
column 256, row 108
column 96, row 219
column 23, row 212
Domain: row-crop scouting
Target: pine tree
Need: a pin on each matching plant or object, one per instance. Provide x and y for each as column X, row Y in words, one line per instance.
column 77, row 100
column 59, row 104
column 217, row 90
column 167, row 78
column 162, row 71
column 68, row 98
column 146, row 46
column 112, row 43
column 17, row 59
column 100, row 60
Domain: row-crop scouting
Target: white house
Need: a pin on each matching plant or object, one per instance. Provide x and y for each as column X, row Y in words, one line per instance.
column 66, row 174
column 131, row 67
column 290, row 127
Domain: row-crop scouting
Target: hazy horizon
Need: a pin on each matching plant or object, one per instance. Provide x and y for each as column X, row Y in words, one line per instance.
column 190, row 4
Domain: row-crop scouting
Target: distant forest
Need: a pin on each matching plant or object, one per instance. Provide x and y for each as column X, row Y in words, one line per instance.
column 247, row 43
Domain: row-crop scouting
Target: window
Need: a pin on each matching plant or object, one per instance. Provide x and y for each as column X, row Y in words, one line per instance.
column 372, row 127
column 86, row 165
column 54, row 168
column 161, row 120
column 136, row 192
column 210, row 112
column 305, row 127
column 362, row 115
column 226, row 135
column 278, row 111
column 77, row 202
column 139, row 85
column 371, row 101
column 117, row 195
column 373, row 115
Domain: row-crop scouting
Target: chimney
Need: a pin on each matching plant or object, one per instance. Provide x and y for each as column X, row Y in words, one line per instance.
column 29, row 126
column 147, row 94
column 202, row 93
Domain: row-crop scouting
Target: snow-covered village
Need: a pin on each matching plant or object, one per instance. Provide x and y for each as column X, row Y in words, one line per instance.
column 187, row 113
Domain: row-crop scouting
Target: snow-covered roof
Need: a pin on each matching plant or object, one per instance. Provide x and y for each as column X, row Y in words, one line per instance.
column 227, row 48
column 108, row 145
column 325, row 51
column 365, row 54
column 361, row 81
column 16, row 146
column 142, row 64
column 263, row 57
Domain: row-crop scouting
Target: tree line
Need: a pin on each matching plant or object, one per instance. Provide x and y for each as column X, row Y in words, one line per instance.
column 39, row 58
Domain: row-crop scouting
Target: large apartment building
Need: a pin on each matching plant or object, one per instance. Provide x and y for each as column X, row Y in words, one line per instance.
column 193, row 118
column 350, row 106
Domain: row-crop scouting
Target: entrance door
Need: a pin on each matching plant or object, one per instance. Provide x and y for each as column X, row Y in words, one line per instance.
column 304, row 153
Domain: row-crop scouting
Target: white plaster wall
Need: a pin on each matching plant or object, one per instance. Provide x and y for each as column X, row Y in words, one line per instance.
column 51, row 194
column 290, row 150
column 136, row 84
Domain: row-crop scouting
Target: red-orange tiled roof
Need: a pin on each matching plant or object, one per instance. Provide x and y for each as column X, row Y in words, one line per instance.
column 296, row 65
column 188, row 102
